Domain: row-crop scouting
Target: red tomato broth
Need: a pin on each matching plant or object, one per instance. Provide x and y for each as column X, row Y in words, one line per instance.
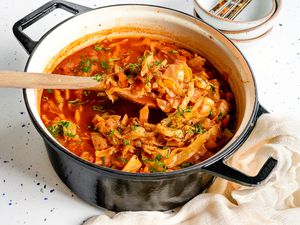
column 101, row 58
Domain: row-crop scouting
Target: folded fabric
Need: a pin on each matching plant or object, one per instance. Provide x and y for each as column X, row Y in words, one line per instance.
column 276, row 201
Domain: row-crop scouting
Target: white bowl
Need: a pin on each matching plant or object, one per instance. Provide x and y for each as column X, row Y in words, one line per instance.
column 247, row 43
column 257, row 31
column 256, row 13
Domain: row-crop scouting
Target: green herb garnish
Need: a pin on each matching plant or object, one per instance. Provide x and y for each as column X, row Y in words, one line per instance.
column 126, row 142
column 158, row 157
column 111, row 133
column 100, row 48
column 74, row 101
column 104, row 65
column 86, row 93
column 157, row 63
column 168, row 152
column 50, row 91
column 198, row 129
column 98, row 77
column 77, row 102
column 181, row 112
column 55, row 130
column 120, row 130
column 148, row 80
column 98, row 108
column 133, row 67
column 124, row 160
column 134, row 127
column 113, row 59
column 173, row 52
column 86, row 65
column 220, row 116
column 67, row 125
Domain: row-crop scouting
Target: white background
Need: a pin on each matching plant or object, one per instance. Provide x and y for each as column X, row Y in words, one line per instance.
column 30, row 191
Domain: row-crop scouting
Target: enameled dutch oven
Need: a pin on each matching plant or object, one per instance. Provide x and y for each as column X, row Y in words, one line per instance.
column 117, row 190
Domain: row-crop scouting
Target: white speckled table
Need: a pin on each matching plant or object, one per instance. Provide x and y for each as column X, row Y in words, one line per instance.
column 30, row 191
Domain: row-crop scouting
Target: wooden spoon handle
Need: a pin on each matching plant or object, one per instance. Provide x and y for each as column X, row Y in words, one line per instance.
column 12, row 79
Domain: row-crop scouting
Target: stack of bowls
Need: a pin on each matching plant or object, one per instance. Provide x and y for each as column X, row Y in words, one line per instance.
column 252, row 25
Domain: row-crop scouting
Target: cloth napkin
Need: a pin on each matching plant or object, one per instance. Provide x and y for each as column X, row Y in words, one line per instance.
column 276, row 201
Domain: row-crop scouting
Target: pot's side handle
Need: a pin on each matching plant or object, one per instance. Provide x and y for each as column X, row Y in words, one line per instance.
column 221, row 169
column 261, row 110
column 39, row 13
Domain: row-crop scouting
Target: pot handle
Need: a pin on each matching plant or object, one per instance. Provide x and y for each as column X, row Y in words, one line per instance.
column 221, row 169
column 261, row 110
column 39, row 13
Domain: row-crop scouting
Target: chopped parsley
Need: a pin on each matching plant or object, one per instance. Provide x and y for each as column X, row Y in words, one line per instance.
column 148, row 80
column 120, row 130
column 197, row 129
column 148, row 65
column 77, row 102
column 220, row 116
column 50, row 91
column 111, row 133
column 141, row 58
column 86, row 93
column 157, row 63
column 173, row 52
column 104, row 65
column 101, row 48
column 158, row 164
column 170, row 124
column 113, row 59
column 67, row 125
column 74, row 101
column 168, row 152
column 181, row 112
column 86, row 65
column 133, row 67
column 155, row 165
column 126, row 142
column 158, row 157
column 210, row 112
column 98, row 108
column 57, row 129
column 124, row 160
column 134, row 127
column 98, row 77
column 98, row 48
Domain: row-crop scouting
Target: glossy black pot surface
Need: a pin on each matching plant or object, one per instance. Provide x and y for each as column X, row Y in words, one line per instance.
column 117, row 190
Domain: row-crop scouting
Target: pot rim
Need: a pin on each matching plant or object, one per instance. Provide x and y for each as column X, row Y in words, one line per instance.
column 222, row 154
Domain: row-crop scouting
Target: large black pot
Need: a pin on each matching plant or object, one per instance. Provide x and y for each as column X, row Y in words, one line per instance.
column 117, row 190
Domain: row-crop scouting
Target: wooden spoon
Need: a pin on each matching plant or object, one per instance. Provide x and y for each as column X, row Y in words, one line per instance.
column 12, row 79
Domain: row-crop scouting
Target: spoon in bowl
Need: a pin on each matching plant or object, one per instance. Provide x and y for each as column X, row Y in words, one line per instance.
column 12, row 79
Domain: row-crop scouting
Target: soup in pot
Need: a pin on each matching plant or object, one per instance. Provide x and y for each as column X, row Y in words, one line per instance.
column 192, row 120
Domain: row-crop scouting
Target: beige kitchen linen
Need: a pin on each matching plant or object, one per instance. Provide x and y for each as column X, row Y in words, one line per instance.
column 276, row 201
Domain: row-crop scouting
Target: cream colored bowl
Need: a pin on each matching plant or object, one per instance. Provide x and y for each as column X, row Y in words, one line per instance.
column 256, row 13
